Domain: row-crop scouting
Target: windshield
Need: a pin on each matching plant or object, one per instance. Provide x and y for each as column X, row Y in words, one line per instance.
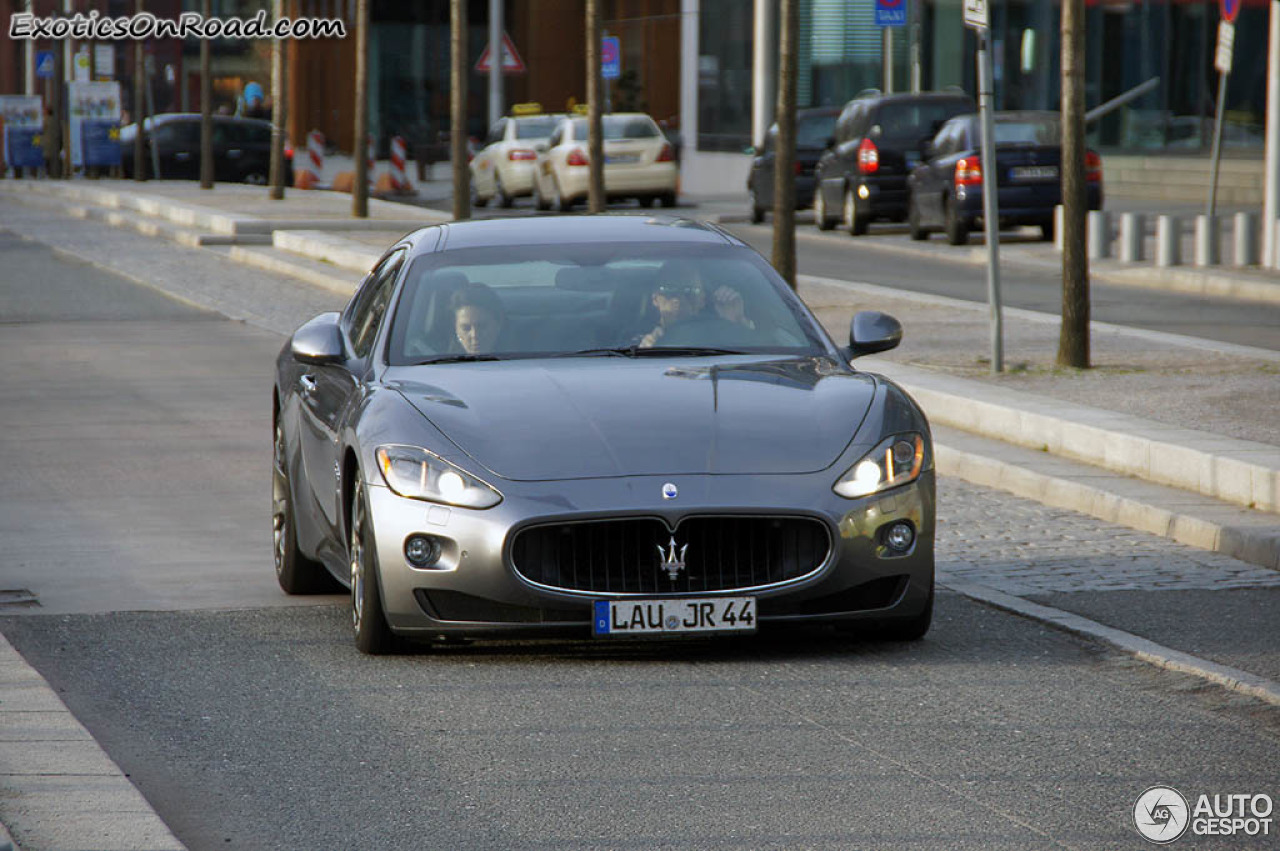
column 1028, row 131
column 814, row 131
column 535, row 128
column 596, row 300
column 620, row 127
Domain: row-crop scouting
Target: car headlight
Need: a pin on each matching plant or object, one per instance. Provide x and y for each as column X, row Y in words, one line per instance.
column 895, row 461
column 419, row 474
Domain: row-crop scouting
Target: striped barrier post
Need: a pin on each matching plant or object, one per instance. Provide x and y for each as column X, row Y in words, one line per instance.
column 372, row 160
column 315, row 153
column 398, row 174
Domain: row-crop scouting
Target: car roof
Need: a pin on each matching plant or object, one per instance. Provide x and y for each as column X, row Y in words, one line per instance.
column 915, row 96
column 541, row 230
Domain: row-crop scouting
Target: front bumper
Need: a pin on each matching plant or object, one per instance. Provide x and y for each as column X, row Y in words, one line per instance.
column 476, row 592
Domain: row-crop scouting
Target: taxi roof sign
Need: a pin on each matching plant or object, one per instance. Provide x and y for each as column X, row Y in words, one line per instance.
column 526, row 109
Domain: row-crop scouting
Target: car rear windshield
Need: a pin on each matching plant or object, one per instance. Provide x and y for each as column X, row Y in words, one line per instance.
column 911, row 120
column 620, row 127
column 813, row 131
column 592, row 299
column 535, row 128
column 1028, row 131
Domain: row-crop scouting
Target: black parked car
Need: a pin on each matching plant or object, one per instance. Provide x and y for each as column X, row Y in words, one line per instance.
column 814, row 128
column 863, row 174
column 946, row 190
column 241, row 148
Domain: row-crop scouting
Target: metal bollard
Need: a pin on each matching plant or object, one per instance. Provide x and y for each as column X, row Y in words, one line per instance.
column 1208, row 241
column 1098, row 235
column 1168, row 241
column 1245, row 236
column 1133, row 237
column 1059, row 217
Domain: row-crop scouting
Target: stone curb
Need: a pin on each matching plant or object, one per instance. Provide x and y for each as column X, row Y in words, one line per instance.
column 332, row 248
column 47, row 759
column 1260, row 546
column 1230, row 678
column 269, row 260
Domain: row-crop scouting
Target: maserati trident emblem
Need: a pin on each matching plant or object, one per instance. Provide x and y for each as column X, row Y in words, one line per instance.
column 672, row 561
column 670, row 491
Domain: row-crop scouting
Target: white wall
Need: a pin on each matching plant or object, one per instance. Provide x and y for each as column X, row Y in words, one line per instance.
column 706, row 173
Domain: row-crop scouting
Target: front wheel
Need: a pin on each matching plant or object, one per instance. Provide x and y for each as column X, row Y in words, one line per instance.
column 368, row 619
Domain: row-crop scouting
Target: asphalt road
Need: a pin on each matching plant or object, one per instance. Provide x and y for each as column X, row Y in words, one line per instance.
column 136, row 469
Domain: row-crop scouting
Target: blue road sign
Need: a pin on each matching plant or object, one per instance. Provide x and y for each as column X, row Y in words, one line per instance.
column 1230, row 8
column 891, row 13
column 44, row 64
column 611, row 56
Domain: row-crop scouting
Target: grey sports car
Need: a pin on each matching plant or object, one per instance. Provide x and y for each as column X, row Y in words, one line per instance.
column 609, row 426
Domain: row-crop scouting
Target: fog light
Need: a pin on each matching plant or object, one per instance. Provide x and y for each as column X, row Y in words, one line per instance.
column 421, row 550
column 900, row 536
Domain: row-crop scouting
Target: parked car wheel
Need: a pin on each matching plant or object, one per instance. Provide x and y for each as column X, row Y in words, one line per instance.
column 255, row 178
column 820, row 217
column 957, row 227
column 918, row 231
column 559, row 201
column 539, row 200
column 368, row 619
column 757, row 212
column 504, row 200
column 668, row 199
column 855, row 224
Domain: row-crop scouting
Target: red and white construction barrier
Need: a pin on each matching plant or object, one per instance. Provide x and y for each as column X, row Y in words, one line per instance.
column 314, row 161
column 372, row 158
column 398, row 174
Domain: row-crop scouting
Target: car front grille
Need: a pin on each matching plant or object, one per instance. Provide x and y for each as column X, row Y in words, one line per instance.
column 634, row 555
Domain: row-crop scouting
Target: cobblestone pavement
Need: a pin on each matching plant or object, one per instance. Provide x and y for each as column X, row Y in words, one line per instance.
column 1022, row 547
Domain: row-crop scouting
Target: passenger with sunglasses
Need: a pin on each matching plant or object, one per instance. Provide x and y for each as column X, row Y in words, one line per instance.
column 680, row 295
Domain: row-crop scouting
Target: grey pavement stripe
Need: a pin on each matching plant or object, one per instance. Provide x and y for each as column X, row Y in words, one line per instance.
column 1230, row 678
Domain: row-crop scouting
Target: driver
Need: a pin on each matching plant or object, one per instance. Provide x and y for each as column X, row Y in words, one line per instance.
column 680, row 295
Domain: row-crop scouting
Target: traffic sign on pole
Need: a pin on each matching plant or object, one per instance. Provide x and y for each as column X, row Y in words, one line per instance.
column 975, row 14
column 1230, row 9
column 44, row 64
column 611, row 56
column 891, row 13
column 511, row 61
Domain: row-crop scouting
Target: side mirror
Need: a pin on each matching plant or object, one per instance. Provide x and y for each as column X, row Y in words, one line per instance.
column 872, row 331
column 319, row 341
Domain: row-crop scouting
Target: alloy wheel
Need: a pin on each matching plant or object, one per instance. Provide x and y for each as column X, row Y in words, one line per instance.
column 279, row 500
column 358, row 572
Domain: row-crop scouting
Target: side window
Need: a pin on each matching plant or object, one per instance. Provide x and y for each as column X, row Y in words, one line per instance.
column 555, row 138
column 371, row 305
column 496, row 131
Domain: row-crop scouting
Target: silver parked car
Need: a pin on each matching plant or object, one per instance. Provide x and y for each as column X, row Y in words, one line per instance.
column 611, row 426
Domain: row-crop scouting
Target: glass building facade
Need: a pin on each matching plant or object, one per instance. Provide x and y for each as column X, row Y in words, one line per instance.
column 1129, row 42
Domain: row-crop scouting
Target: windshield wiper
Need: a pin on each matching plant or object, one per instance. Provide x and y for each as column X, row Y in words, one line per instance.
column 620, row 351
column 652, row 351
column 461, row 358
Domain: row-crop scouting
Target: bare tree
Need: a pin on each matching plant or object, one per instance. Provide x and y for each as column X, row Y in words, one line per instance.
column 360, row 187
column 595, row 122
column 1073, row 340
column 784, row 179
column 206, row 106
column 277, row 110
column 458, row 106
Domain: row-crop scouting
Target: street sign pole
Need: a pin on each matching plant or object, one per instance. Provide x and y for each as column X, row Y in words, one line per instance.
column 495, row 61
column 1222, row 61
column 976, row 16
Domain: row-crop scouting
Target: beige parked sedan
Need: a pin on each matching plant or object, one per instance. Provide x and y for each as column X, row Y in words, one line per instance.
column 639, row 163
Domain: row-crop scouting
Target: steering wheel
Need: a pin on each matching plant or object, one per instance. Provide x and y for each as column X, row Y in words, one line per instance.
column 710, row 331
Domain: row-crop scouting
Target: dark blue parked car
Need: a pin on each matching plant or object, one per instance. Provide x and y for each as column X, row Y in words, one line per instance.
column 946, row 190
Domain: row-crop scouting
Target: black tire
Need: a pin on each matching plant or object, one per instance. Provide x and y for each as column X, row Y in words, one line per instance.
column 757, row 212
column 254, row 178
column 368, row 619
column 667, row 199
column 561, row 203
column 296, row 573
column 855, row 224
column 820, row 217
column 504, row 200
column 918, row 231
column 957, row 228
column 539, row 200
column 1047, row 231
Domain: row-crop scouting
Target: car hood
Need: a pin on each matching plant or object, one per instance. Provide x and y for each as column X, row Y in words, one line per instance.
column 599, row 417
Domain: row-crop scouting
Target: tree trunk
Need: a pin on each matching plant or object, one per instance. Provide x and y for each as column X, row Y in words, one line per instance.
column 139, row 110
column 595, row 123
column 784, row 180
column 206, row 107
column 458, row 106
column 359, row 144
column 276, row 192
column 1073, row 341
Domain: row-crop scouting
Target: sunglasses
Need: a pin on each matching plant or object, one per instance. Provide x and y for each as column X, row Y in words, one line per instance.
column 679, row 292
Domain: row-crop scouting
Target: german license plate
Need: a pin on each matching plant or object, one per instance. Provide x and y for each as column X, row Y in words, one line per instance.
column 622, row 158
column 1033, row 172
column 624, row 618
